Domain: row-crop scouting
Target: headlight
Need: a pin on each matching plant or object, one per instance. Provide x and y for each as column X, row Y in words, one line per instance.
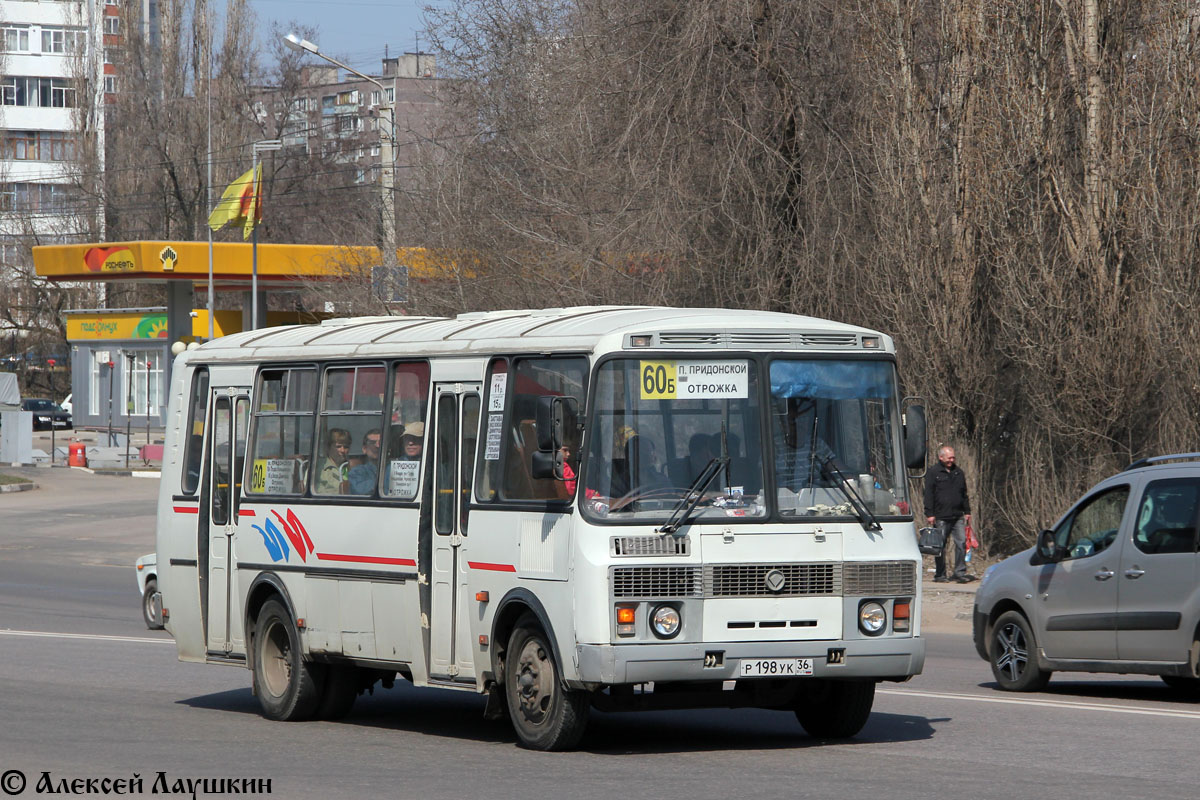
column 987, row 573
column 665, row 622
column 872, row 619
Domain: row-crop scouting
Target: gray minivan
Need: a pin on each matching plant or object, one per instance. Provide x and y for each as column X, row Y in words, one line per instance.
column 1112, row 587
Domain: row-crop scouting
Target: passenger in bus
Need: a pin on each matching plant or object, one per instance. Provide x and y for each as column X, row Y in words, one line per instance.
column 334, row 474
column 412, row 441
column 364, row 476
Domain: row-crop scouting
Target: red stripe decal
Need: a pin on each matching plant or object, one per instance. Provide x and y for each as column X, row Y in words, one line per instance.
column 491, row 567
column 186, row 509
column 246, row 512
column 401, row 562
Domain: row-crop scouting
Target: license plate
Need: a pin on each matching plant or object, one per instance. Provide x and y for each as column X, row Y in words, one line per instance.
column 774, row 667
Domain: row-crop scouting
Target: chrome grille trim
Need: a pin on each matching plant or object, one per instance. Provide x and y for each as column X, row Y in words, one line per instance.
column 777, row 340
column 879, row 578
column 656, row 582
column 749, row 580
column 828, row 340
column 667, row 545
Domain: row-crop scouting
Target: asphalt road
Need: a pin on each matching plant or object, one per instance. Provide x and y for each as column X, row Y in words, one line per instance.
column 87, row 692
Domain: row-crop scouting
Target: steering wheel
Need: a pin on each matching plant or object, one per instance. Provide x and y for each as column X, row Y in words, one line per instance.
column 661, row 494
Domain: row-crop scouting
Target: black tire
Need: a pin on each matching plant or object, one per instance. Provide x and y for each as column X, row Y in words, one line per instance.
column 1012, row 652
column 341, row 690
column 545, row 714
column 834, row 709
column 153, row 619
column 288, row 687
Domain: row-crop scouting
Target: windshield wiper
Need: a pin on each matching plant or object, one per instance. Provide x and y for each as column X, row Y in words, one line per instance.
column 865, row 517
column 687, row 504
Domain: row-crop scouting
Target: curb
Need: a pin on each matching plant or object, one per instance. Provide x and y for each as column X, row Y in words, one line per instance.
column 17, row 487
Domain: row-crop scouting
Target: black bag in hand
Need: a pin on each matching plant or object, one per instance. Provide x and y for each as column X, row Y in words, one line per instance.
column 931, row 541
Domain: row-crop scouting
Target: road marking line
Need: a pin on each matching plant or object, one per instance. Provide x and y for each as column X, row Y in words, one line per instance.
column 1080, row 706
column 92, row 636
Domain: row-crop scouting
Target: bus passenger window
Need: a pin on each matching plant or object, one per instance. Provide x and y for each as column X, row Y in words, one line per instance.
column 351, row 422
column 405, row 432
column 281, row 442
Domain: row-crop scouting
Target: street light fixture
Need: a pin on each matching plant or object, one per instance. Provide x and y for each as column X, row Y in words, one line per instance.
column 387, row 167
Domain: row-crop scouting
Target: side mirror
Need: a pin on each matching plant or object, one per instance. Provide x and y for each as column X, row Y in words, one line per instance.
column 914, row 435
column 1048, row 548
column 547, row 465
column 557, row 419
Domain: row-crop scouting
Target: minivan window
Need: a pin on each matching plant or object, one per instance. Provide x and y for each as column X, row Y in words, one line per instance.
column 1166, row 520
column 1094, row 525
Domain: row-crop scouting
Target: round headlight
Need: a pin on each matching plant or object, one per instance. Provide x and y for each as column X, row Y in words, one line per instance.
column 872, row 618
column 665, row 622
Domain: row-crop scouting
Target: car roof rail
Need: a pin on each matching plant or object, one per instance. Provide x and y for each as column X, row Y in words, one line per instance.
column 1145, row 462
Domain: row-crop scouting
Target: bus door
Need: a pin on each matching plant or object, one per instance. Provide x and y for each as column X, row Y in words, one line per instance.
column 456, row 426
column 226, row 457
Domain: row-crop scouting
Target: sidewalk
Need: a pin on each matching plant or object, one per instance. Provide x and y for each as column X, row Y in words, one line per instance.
column 101, row 456
column 947, row 607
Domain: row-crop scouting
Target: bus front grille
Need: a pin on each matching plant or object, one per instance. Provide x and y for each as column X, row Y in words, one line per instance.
column 875, row 578
column 759, row 580
column 850, row 579
column 656, row 582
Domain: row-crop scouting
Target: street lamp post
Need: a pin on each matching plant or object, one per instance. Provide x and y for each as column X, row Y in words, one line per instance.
column 263, row 146
column 387, row 134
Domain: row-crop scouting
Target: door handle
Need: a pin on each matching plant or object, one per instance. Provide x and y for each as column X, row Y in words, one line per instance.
column 1134, row 573
column 1104, row 574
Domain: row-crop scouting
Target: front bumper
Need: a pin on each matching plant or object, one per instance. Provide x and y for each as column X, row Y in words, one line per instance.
column 896, row 658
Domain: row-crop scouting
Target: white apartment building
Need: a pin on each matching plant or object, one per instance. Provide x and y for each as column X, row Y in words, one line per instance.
column 52, row 83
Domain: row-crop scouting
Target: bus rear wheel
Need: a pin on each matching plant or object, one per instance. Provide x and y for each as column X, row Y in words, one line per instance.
column 288, row 687
column 834, row 709
column 545, row 714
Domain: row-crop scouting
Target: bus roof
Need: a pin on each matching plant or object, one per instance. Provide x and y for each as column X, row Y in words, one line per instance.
column 578, row 329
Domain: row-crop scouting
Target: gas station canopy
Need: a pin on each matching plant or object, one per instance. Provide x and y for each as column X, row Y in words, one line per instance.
column 280, row 266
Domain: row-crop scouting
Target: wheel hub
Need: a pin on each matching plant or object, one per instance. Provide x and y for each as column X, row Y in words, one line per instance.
column 535, row 682
column 1014, row 654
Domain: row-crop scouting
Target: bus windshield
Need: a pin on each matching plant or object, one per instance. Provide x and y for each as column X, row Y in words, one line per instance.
column 836, row 422
column 659, row 423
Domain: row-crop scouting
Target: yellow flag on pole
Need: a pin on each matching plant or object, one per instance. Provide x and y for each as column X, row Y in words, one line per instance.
column 240, row 204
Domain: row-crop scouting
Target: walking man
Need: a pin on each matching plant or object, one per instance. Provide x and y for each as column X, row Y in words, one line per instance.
column 947, row 506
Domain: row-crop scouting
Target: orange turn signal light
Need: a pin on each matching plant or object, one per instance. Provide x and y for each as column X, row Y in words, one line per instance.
column 481, row 597
column 625, row 616
column 901, row 611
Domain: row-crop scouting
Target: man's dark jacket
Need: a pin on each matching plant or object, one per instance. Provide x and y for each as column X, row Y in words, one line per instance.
column 946, row 492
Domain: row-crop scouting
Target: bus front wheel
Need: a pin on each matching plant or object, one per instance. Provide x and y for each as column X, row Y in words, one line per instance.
column 288, row 687
column 835, row 709
column 545, row 714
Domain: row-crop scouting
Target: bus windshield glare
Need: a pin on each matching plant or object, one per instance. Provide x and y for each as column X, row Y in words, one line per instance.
column 659, row 423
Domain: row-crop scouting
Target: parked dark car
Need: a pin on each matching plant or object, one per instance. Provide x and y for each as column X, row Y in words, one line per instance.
column 46, row 413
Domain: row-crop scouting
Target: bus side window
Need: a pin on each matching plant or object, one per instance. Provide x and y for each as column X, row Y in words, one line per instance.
column 534, row 378
column 281, row 440
column 194, row 443
column 404, row 435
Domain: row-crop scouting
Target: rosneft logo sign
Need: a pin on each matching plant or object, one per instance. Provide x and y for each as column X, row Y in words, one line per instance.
column 109, row 259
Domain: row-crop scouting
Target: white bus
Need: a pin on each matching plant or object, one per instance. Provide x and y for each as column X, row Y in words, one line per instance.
column 620, row 507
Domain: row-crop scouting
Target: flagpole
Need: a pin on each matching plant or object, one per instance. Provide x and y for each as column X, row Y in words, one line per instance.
column 254, row 182
column 208, row 84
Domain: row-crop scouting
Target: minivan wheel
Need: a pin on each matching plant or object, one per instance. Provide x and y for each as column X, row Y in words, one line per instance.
column 1013, row 652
